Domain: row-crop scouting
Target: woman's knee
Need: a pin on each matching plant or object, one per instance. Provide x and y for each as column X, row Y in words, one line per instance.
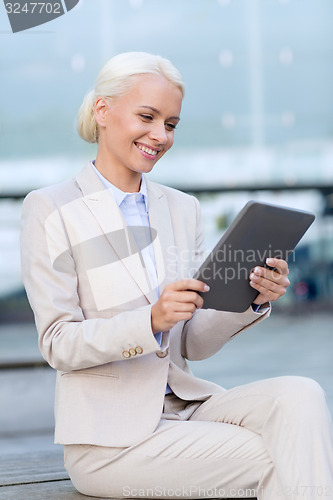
column 304, row 385
column 300, row 392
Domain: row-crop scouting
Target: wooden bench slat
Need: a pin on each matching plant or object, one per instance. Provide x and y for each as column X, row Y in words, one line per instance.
column 55, row 490
column 32, row 467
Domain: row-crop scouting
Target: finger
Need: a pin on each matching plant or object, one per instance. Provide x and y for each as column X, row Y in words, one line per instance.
column 172, row 298
column 183, row 316
column 184, row 307
column 182, row 297
column 274, row 282
column 269, row 287
column 189, row 284
column 190, row 297
column 273, row 275
column 279, row 264
column 267, row 294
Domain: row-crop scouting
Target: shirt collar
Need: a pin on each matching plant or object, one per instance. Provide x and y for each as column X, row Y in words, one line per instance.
column 120, row 195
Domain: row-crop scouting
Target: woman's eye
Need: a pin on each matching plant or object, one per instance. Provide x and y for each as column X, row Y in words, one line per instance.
column 146, row 117
column 149, row 118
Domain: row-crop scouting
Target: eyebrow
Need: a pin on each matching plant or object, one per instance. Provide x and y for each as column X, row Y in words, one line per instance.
column 158, row 112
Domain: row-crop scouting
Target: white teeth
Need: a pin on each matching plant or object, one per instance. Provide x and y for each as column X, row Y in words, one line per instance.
column 147, row 150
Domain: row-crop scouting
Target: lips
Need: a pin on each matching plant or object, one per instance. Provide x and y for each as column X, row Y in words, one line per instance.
column 151, row 152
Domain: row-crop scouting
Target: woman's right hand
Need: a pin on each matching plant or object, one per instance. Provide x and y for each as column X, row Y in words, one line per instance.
column 178, row 302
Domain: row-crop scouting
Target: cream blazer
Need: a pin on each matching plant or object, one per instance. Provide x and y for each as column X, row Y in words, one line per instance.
column 92, row 298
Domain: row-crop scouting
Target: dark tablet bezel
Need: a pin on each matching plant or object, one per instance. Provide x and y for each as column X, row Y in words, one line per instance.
column 259, row 231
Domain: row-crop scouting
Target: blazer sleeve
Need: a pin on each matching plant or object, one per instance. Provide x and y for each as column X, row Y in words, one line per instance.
column 209, row 330
column 67, row 340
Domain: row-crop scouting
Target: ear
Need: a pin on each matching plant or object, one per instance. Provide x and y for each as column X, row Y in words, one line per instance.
column 100, row 111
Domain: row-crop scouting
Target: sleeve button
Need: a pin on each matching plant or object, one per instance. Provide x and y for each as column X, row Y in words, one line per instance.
column 138, row 349
column 162, row 354
column 132, row 351
column 126, row 354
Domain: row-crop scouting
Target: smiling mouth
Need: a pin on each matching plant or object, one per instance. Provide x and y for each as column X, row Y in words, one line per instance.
column 145, row 149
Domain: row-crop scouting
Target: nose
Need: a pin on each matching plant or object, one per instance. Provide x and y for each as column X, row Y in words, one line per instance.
column 158, row 133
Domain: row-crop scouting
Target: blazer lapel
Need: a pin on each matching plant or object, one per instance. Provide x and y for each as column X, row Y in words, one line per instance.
column 164, row 242
column 110, row 219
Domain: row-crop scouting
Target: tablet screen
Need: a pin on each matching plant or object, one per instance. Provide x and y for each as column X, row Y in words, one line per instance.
column 259, row 231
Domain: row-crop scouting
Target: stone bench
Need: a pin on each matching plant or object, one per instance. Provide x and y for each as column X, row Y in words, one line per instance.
column 37, row 476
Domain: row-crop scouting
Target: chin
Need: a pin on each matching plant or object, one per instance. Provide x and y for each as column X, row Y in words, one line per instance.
column 146, row 169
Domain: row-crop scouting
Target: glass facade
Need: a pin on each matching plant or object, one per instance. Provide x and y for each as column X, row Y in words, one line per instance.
column 257, row 112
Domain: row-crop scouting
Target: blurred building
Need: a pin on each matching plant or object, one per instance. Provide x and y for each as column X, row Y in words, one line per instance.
column 257, row 113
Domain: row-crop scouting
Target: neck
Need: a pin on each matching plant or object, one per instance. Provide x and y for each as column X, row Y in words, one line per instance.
column 124, row 179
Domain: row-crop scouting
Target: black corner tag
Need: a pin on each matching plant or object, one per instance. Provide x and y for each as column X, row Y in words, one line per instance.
column 26, row 14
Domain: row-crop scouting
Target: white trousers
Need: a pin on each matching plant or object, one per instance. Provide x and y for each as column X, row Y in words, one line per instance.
column 271, row 439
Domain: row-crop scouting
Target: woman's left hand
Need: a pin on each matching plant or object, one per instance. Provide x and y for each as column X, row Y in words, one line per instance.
column 270, row 283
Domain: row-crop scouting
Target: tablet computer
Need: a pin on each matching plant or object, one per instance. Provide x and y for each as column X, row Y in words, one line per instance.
column 259, row 231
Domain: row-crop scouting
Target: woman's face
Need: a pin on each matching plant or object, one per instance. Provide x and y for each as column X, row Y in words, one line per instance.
column 138, row 128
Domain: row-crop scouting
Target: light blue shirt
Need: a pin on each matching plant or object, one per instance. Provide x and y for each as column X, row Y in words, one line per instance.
column 134, row 207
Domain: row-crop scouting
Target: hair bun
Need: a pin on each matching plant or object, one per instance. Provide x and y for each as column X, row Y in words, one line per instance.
column 86, row 123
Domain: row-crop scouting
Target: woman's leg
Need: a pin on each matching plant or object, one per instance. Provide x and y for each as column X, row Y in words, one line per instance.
column 182, row 459
column 291, row 416
column 271, row 439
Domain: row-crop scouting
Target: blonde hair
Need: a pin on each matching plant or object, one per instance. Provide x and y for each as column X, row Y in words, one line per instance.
column 115, row 80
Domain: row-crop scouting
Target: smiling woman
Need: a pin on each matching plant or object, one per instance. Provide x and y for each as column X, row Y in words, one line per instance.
column 107, row 260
